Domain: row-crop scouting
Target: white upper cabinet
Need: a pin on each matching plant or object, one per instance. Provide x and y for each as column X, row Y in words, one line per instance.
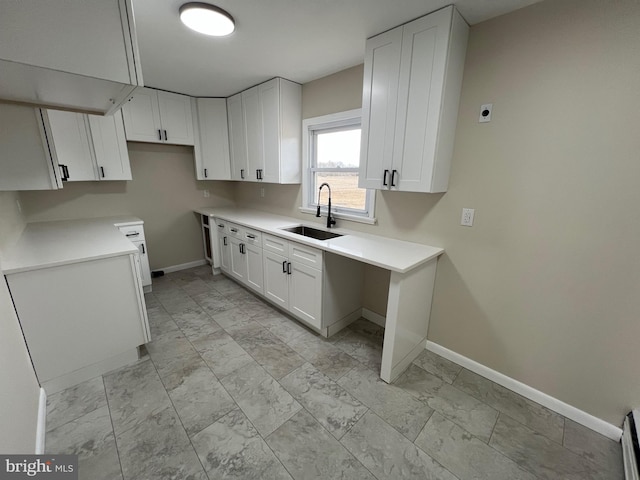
column 88, row 147
column 26, row 163
column 412, row 82
column 158, row 117
column 212, row 145
column 79, row 54
column 265, row 128
column 237, row 138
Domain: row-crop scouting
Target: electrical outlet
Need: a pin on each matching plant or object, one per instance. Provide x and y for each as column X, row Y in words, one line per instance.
column 467, row 217
column 206, row 193
column 485, row 112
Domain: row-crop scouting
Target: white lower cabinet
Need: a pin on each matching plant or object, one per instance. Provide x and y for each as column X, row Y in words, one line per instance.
column 238, row 267
column 135, row 233
column 293, row 278
column 244, row 247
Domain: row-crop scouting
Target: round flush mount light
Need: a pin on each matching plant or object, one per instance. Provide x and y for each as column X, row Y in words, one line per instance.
column 207, row 19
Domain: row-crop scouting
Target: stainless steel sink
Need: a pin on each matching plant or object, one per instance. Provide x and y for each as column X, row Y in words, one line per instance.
column 312, row 232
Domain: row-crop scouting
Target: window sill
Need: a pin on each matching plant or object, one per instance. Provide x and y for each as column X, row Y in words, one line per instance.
column 343, row 216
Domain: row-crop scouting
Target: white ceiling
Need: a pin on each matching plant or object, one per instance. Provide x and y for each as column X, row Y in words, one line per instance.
column 296, row 39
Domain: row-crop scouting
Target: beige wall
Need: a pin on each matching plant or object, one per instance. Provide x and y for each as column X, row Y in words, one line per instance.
column 20, row 391
column 544, row 287
column 163, row 193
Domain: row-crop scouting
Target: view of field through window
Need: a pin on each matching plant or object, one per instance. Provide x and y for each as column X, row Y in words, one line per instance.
column 337, row 162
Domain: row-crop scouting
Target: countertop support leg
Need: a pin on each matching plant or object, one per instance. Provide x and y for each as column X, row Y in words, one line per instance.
column 408, row 311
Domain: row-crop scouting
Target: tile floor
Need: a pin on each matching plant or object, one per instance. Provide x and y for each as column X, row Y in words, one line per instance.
column 231, row 388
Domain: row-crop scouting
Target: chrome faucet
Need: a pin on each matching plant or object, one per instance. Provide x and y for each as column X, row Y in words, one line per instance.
column 330, row 220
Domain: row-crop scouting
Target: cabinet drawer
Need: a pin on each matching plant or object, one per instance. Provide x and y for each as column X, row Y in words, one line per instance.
column 234, row 230
column 252, row 237
column 221, row 225
column 310, row 256
column 275, row 245
column 133, row 232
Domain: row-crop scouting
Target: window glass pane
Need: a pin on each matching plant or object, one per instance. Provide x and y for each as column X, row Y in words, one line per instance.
column 344, row 190
column 338, row 149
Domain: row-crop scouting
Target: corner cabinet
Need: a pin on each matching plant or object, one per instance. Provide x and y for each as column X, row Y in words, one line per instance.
column 412, row 82
column 265, row 132
column 88, row 147
column 156, row 116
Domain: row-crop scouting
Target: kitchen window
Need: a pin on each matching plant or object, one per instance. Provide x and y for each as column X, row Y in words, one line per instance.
column 331, row 154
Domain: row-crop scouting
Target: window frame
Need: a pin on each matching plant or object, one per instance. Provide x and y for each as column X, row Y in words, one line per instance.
column 310, row 126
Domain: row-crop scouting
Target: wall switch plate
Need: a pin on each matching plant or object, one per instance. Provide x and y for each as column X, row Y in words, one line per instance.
column 467, row 217
column 485, row 112
column 206, row 193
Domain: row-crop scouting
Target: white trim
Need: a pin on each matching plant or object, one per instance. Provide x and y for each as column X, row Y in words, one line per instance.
column 182, row 266
column 41, row 427
column 374, row 317
column 342, row 323
column 573, row 413
column 628, row 454
column 343, row 216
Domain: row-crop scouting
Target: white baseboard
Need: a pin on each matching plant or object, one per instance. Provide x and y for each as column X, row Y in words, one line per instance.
column 41, row 427
column 182, row 266
column 374, row 317
column 573, row 413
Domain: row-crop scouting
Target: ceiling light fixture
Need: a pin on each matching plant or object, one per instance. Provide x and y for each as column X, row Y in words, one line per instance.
column 207, row 19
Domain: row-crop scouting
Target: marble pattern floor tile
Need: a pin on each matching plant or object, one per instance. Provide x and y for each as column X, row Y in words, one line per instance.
column 213, row 302
column 200, row 399
column 282, row 327
column 91, row 438
column 232, row 448
column 323, row 355
column 262, row 399
column 309, row 452
column 159, row 449
column 222, row 353
column 234, row 319
column 525, row 411
column 397, row 407
column 276, row 357
column 388, row 454
column 364, row 348
column 541, row 456
column 464, row 455
column 327, row 401
column 436, row 365
column 75, row 402
column 471, row 414
column 134, row 393
column 603, row 451
column 172, row 353
column 195, row 323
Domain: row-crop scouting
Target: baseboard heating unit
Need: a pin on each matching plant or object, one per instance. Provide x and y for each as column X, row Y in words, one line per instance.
column 630, row 445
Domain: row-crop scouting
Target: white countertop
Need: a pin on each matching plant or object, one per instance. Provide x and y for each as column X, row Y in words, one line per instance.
column 49, row 244
column 387, row 253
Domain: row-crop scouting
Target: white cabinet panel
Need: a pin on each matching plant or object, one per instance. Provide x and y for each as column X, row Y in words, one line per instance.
column 110, row 147
column 255, row 276
column 25, row 159
column 72, row 144
column 237, row 138
column 253, row 130
column 212, row 150
column 412, row 82
column 238, row 264
column 305, row 293
column 158, row 117
column 276, row 279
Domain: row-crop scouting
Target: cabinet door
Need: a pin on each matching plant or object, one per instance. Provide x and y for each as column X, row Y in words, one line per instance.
column 72, row 144
column 225, row 253
column 144, row 263
column 253, row 128
column 238, row 267
column 305, row 293
column 237, row 138
column 379, row 100
column 176, row 118
column 142, row 117
column 110, row 147
column 425, row 44
column 276, row 279
column 26, row 162
column 213, row 162
column 255, row 278
column 269, row 96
